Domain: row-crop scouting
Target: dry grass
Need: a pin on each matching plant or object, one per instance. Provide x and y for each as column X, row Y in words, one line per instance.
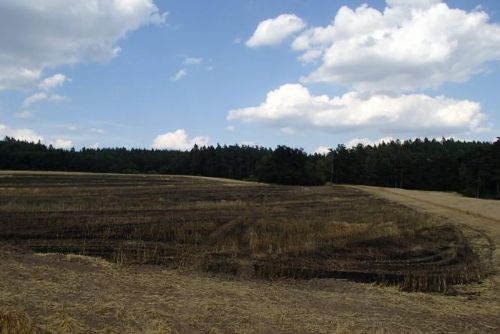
column 68, row 294
column 16, row 322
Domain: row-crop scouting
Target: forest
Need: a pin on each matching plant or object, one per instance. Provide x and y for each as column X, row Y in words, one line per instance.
column 471, row 168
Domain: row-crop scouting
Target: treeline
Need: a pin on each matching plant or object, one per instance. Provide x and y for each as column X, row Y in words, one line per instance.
column 282, row 165
column 472, row 168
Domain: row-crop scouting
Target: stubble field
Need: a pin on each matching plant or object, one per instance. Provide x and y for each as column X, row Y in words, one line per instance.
column 142, row 253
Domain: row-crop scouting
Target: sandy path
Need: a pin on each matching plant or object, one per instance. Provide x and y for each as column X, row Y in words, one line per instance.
column 475, row 212
column 478, row 214
column 476, row 217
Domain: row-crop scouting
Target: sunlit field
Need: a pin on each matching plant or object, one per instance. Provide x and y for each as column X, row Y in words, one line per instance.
column 108, row 231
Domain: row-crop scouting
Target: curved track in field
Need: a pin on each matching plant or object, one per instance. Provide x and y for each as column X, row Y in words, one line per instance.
column 478, row 219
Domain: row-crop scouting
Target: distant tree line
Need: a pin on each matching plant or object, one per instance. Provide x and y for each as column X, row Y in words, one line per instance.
column 282, row 165
column 472, row 168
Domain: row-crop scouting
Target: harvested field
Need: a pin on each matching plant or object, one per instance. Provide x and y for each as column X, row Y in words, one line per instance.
column 237, row 228
column 262, row 242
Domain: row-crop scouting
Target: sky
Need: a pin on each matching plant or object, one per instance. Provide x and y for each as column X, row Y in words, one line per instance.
column 167, row 74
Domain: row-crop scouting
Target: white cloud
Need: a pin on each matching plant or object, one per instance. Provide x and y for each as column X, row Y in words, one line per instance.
column 288, row 130
column 292, row 105
column 230, row 128
column 247, row 143
column 61, row 143
column 193, row 61
column 367, row 141
column 20, row 134
column 17, row 76
column 34, row 99
column 410, row 45
column 274, row 31
column 413, row 3
column 54, row 81
column 36, row 35
column 323, row 150
column 178, row 140
column 23, row 114
column 39, row 97
column 179, row 75
column 31, row 136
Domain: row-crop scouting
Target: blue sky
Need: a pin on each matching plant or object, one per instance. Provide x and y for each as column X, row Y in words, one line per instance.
column 255, row 72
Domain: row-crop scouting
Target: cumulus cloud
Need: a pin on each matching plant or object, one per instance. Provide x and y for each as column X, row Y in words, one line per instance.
column 292, row 105
column 36, row 35
column 413, row 3
column 409, row 45
column 52, row 82
column 323, row 150
column 178, row 140
column 61, row 143
column 179, row 75
column 367, row 141
column 39, row 97
column 30, row 135
column 274, row 31
column 20, row 134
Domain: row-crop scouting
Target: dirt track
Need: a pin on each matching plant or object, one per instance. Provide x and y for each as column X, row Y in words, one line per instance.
column 475, row 215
